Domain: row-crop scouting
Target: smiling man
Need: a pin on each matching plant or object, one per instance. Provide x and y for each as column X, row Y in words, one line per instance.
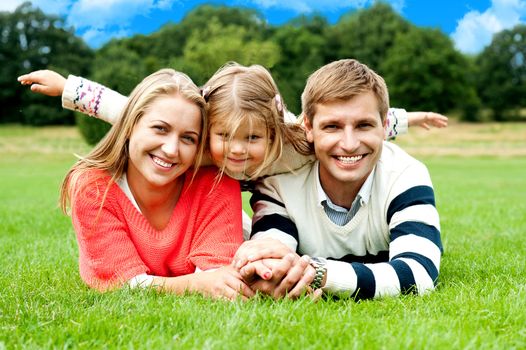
column 365, row 210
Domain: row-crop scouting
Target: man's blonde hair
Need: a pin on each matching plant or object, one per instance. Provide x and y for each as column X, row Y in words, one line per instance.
column 111, row 154
column 237, row 93
column 340, row 81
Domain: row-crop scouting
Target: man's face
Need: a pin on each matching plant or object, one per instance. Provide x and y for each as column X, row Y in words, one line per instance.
column 347, row 137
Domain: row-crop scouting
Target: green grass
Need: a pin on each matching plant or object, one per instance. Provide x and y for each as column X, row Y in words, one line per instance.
column 479, row 303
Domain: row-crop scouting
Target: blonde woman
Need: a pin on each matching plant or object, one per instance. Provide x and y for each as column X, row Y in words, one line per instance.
column 143, row 213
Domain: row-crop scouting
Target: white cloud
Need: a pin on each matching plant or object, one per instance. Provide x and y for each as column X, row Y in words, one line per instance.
column 475, row 30
column 10, row 5
column 98, row 37
column 101, row 20
column 51, row 7
column 305, row 6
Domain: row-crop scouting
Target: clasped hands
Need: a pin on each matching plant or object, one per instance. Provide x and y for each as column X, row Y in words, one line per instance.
column 270, row 267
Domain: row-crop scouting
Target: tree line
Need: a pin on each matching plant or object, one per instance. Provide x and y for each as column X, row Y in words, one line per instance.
column 421, row 66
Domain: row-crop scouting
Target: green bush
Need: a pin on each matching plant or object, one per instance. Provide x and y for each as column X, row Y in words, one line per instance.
column 39, row 115
column 91, row 129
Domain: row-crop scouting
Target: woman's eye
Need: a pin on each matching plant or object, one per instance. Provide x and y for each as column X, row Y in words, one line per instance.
column 189, row 139
column 160, row 128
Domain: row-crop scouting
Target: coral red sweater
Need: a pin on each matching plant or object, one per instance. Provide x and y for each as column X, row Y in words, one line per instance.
column 117, row 243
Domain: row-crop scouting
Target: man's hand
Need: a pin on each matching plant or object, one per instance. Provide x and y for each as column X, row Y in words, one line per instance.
column 45, row 82
column 264, row 248
column 426, row 119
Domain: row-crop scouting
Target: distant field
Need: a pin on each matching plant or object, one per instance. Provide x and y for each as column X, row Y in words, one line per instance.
column 479, row 174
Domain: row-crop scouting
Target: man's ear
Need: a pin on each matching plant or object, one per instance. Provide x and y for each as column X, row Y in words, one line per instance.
column 308, row 128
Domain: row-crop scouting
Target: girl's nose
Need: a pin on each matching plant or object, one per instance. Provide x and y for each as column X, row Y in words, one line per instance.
column 237, row 147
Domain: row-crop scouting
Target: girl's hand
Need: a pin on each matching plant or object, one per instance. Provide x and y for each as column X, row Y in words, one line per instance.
column 426, row 119
column 222, row 283
column 45, row 82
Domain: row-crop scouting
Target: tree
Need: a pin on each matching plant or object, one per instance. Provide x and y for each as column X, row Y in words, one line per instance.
column 502, row 72
column 303, row 49
column 424, row 72
column 366, row 35
column 210, row 47
column 118, row 68
column 31, row 40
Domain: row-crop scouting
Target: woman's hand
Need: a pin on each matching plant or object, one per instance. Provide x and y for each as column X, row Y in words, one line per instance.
column 45, row 82
column 222, row 283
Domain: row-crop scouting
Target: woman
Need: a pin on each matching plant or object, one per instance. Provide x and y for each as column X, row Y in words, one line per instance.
column 143, row 213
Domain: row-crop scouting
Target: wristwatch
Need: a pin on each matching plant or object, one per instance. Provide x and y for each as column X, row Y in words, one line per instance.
column 320, row 265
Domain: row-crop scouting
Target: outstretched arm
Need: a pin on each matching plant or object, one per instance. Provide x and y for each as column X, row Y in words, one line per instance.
column 398, row 121
column 78, row 94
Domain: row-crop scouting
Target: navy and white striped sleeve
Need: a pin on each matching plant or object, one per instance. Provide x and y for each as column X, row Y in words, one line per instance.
column 271, row 219
column 415, row 248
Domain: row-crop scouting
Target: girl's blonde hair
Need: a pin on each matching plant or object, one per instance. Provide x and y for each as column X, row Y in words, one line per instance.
column 237, row 93
column 111, row 153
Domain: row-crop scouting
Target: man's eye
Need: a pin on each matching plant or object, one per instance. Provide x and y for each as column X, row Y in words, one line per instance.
column 330, row 127
column 365, row 125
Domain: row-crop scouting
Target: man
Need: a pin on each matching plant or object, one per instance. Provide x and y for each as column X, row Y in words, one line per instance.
column 365, row 210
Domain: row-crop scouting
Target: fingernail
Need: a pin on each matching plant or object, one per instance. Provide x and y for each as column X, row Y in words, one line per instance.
column 266, row 275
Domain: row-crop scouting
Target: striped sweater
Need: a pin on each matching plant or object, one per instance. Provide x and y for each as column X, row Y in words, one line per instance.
column 391, row 246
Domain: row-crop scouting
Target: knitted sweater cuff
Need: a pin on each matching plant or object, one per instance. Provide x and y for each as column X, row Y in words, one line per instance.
column 341, row 278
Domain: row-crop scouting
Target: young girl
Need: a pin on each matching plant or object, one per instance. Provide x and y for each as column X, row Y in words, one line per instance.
column 143, row 213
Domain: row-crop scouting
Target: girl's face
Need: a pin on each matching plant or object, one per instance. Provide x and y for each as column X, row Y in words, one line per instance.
column 241, row 153
column 164, row 142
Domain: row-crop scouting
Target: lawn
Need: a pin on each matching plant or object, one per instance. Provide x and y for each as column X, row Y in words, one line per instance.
column 479, row 174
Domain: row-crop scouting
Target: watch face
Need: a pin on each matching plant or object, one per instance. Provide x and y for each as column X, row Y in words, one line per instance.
column 317, row 261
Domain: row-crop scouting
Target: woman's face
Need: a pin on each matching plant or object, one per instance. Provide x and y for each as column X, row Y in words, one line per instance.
column 164, row 142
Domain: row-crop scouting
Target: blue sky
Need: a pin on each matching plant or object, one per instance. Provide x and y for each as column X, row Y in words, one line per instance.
column 469, row 23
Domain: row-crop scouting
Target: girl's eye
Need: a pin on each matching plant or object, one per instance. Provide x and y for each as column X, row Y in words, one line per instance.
column 254, row 137
column 223, row 135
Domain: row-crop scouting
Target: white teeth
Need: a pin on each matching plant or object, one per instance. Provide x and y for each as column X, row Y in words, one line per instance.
column 349, row 160
column 162, row 162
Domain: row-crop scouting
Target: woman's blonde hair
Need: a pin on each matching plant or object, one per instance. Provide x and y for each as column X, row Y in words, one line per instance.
column 111, row 153
column 237, row 93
